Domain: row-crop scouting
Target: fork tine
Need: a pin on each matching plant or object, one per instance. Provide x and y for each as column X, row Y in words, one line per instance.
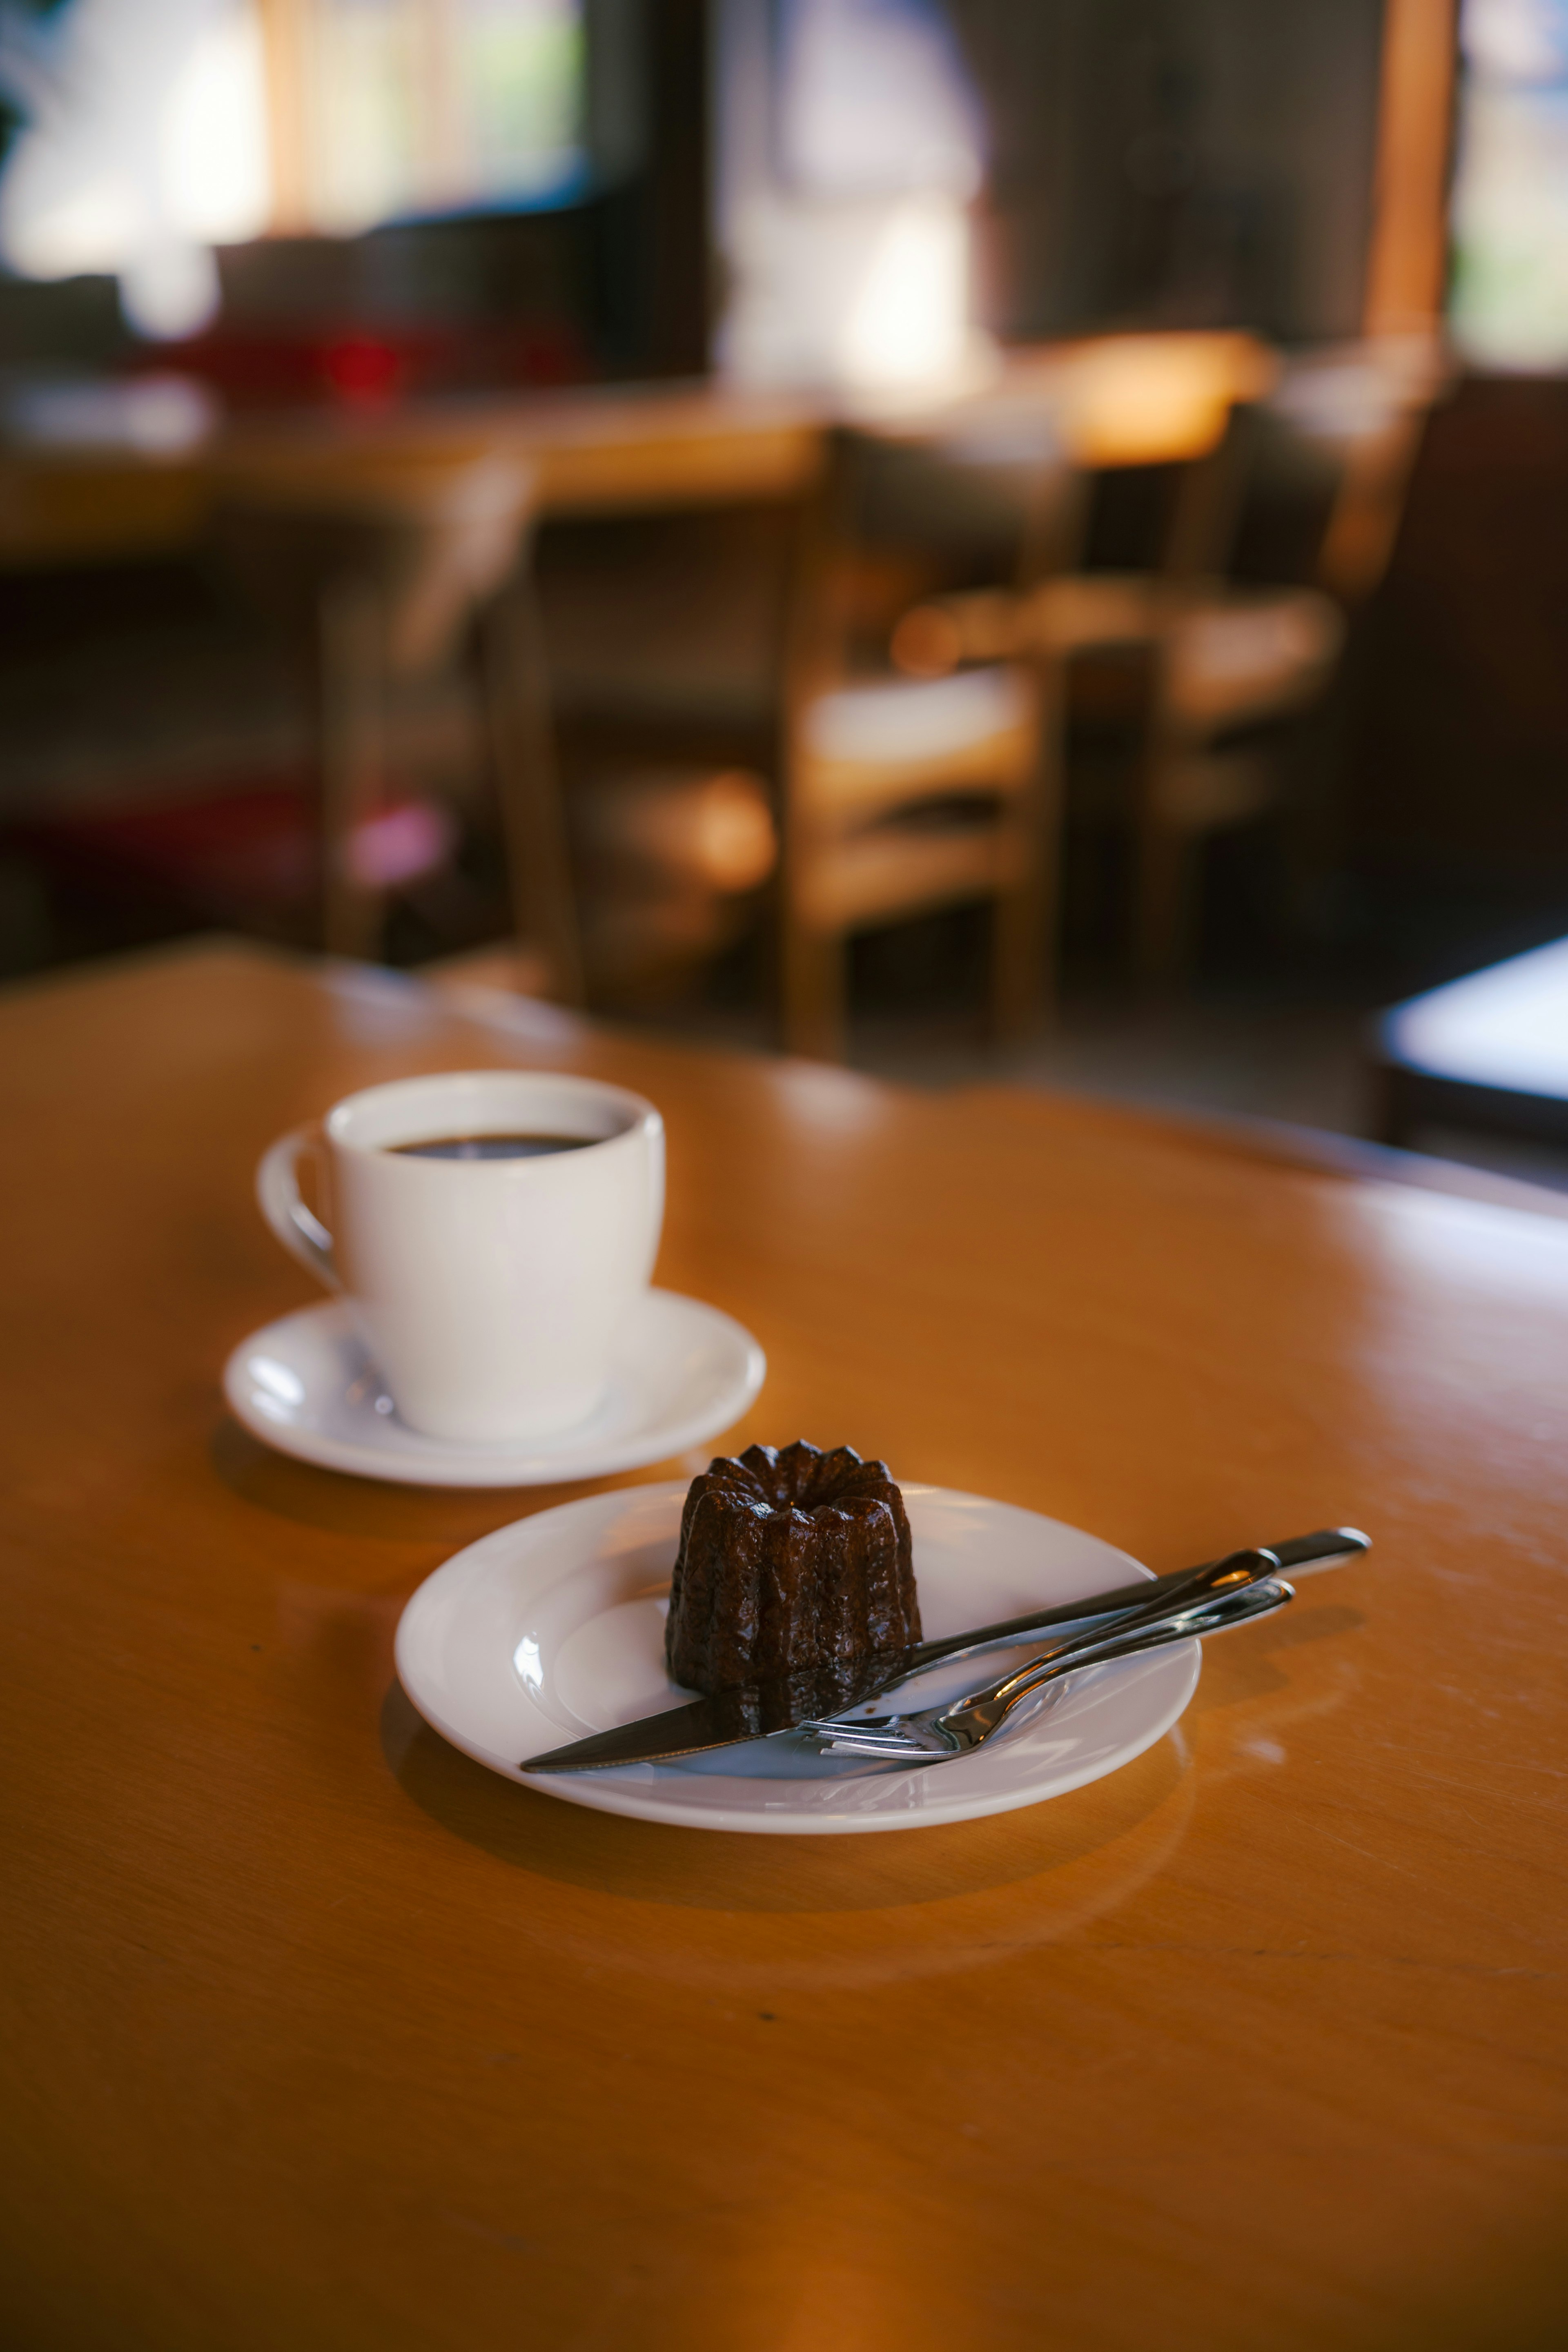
column 931, row 1734
column 850, row 1739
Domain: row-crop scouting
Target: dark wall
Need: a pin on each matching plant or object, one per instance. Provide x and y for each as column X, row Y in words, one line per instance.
column 74, row 322
column 651, row 238
column 1176, row 163
column 1460, row 769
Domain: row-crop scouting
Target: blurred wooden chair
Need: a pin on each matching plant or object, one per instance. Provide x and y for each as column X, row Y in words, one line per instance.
column 900, row 795
column 667, row 864
column 1237, row 665
column 1224, row 662
column 665, row 633
column 390, row 569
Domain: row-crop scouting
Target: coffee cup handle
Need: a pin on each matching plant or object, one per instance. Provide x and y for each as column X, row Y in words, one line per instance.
column 278, row 1191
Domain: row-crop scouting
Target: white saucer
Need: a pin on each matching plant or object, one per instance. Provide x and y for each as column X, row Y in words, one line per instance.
column 554, row 1627
column 682, row 1371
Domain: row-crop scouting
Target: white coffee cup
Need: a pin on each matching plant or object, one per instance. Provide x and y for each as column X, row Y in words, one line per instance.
column 490, row 1293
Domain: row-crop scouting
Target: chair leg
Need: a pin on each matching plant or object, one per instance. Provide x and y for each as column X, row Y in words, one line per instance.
column 1019, row 928
column 517, row 703
column 1163, row 865
column 1024, row 938
column 813, row 991
column 1163, row 909
column 1018, row 962
column 351, row 719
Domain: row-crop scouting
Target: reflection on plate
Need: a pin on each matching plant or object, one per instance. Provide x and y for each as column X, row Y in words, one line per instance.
column 553, row 1627
column 682, row 1371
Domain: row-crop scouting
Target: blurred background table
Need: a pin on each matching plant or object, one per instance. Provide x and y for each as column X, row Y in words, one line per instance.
column 132, row 472
column 114, row 492
column 1486, row 1054
column 274, row 762
column 316, row 2033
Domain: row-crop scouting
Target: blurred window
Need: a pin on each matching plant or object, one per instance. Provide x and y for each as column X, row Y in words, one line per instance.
column 423, row 106
column 1510, row 303
column 137, row 134
column 138, row 141
column 851, row 143
column 873, row 98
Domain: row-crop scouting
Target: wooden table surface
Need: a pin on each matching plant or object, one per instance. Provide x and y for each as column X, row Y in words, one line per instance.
column 608, row 448
column 316, row 2034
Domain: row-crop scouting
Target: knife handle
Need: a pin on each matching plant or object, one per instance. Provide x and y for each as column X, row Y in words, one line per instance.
column 1322, row 1549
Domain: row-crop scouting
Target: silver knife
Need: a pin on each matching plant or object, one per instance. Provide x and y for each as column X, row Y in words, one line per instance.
column 757, row 1710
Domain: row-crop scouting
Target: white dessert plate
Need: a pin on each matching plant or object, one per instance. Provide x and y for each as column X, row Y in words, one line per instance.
column 682, row 1371
column 553, row 1627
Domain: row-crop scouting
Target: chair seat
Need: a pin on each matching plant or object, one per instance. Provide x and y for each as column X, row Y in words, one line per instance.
column 877, row 746
column 1202, row 792
column 1238, row 659
column 692, row 829
column 915, row 719
column 1237, row 656
column 669, row 862
column 1085, row 610
column 889, row 872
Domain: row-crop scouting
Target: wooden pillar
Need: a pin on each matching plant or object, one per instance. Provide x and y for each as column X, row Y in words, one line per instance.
column 286, row 35
column 1408, row 260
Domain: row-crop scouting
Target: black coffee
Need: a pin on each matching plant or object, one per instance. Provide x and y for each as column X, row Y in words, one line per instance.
column 492, row 1147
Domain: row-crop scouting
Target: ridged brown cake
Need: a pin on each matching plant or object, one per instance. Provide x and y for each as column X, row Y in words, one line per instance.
column 789, row 1557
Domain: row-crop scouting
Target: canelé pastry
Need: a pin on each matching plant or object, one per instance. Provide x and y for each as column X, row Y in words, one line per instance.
column 790, row 1557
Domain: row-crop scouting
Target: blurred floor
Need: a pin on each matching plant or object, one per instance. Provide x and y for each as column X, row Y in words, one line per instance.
column 1303, row 1064
column 1306, row 1066
column 1285, row 1047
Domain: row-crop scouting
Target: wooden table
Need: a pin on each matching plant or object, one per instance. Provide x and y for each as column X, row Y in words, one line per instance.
column 319, row 2035
column 617, row 448
column 1488, row 1053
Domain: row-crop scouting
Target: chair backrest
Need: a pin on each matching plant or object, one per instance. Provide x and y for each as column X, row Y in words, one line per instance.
column 1335, row 443
column 1164, row 423
column 905, row 513
column 381, row 561
column 429, row 535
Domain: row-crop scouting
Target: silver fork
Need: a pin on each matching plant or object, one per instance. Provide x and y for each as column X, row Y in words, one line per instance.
column 1232, row 1593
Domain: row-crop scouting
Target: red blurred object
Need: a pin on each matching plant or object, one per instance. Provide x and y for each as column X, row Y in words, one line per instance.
column 358, row 367
column 253, row 848
column 363, row 371
column 250, row 855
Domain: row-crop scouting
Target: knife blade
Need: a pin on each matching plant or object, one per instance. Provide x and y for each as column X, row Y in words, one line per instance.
column 760, row 1709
